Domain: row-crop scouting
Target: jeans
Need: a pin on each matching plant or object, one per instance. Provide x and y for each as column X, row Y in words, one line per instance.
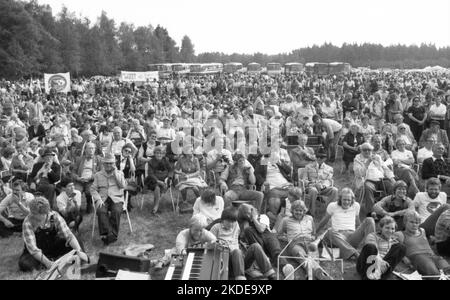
column 393, row 257
column 348, row 241
column 109, row 224
column 241, row 193
column 429, row 264
column 255, row 253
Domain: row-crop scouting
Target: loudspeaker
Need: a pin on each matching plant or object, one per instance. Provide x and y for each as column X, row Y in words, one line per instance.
column 109, row 264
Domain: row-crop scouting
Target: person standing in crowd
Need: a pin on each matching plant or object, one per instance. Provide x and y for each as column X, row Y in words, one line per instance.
column 332, row 130
column 417, row 116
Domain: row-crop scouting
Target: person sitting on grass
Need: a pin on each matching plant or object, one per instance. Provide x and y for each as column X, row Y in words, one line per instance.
column 194, row 236
column 69, row 205
column 418, row 250
column 430, row 204
column 442, row 233
column 300, row 230
column 13, row 209
column 381, row 252
column 255, row 229
column 46, row 237
column 395, row 205
column 209, row 205
column 346, row 231
column 241, row 262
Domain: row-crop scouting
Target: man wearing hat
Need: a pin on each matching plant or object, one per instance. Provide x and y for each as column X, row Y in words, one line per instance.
column 44, row 175
column 107, row 192
column 318, row 180
column 435, row 132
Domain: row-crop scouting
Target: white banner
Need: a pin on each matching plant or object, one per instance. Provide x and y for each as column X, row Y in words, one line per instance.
column 139, row 76
column 60, row 82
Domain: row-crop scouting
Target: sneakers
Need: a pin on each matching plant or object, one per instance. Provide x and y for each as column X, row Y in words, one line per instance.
column 288, row 272
column 376, row 273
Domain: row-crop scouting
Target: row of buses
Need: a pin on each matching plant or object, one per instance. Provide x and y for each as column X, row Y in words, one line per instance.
column 271, row 69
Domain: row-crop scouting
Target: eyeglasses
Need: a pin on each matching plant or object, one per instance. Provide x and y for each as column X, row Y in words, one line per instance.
column 127, row 151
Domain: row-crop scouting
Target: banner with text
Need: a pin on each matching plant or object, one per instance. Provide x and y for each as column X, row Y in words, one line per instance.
column 138, row 76
column 59, row 82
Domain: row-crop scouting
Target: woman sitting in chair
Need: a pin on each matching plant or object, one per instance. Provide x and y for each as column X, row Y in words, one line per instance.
column 159, row 173
column 403, row 166
column 187, row 169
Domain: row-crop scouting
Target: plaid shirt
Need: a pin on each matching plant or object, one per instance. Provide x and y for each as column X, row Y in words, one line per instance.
column 29, row 237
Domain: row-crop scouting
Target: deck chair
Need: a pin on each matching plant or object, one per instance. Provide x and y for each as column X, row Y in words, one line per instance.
column 315, row 141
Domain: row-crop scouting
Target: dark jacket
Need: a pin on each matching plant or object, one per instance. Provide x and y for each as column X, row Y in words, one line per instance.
column 429, row 168
column 39, row 133
column 53, row 176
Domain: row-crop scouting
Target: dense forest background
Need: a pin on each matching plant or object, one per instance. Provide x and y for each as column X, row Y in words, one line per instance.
column 34, row 41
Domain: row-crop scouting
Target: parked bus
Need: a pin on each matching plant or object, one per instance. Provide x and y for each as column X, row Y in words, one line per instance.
column 254, row 68
column 339, row 68
column 205, row 69
column 273, row 69
column 233, row 67
column 164, row 70
column 181, row 69
column 293, row 68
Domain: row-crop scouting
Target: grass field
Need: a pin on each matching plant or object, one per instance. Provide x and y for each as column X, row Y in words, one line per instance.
column 158, row 230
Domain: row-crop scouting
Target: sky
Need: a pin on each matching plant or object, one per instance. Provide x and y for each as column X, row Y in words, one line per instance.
column 278, row 26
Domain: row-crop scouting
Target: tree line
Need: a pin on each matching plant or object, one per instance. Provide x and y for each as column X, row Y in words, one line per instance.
column 34, row 41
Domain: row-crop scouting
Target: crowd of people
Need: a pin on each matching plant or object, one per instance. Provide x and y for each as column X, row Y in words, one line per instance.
column 259, row 154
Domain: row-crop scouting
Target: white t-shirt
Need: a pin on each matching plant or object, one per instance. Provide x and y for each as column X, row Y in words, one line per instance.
column 438, row 112
column 343, row 219
column 423, row 154
column 211, row 212
column 231, row 236
column 426, row 206
column 402, row 156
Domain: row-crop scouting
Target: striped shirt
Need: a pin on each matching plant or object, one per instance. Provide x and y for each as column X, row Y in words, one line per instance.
column 382, row 244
